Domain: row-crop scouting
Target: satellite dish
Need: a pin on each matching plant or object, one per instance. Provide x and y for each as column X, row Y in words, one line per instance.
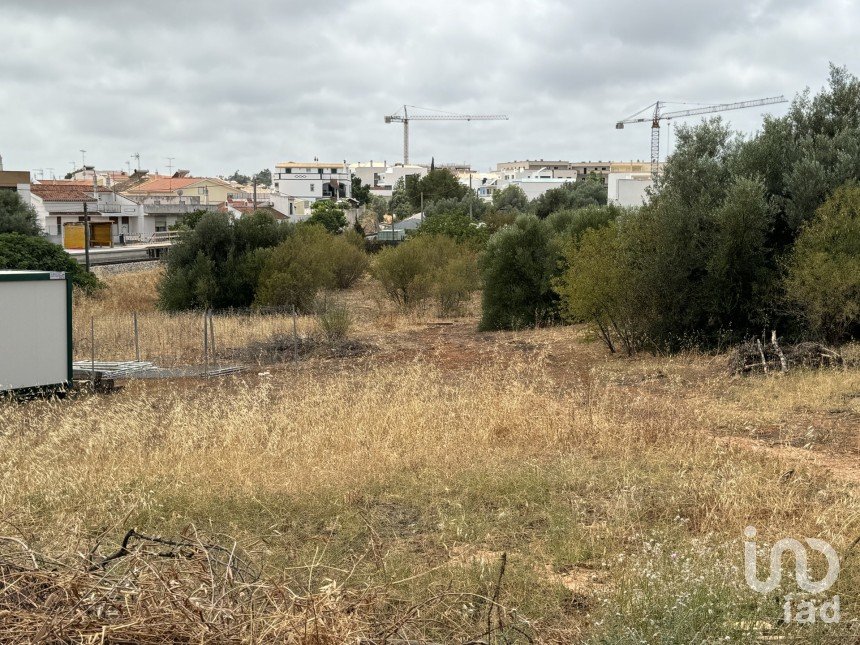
column 179, row 192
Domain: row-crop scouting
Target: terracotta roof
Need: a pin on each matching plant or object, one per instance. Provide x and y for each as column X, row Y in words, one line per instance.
column 165, row 184
column 62, row 192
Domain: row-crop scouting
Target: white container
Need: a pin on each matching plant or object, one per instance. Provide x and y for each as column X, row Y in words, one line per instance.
column 35, row 329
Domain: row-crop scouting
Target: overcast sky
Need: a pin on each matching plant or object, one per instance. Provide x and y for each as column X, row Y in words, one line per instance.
column 221, row 84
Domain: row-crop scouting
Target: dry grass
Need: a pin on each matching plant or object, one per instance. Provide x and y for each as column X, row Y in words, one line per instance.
column 375, row 497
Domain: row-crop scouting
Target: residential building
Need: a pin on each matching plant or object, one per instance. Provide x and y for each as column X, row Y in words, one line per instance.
column 11, row 179
column 181, row 189
column 517, row 169
column 59, row 202
column 536, row 183
column 628, row 184
column 298, row 184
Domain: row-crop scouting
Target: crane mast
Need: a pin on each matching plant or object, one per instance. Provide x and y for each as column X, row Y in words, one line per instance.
column 405, row 118
column 659, row 115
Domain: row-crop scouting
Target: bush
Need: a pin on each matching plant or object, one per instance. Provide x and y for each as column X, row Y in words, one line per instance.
column 518, row 267
column 348, row 260
column 328, row 214
column 823, row 270
column 16, row 216
column 334, row 322
column 459, row 227
column 571, row 195
column 428, row 266
column 594, row 287
column 296, row 270
column 217, row 264
column 28, row 253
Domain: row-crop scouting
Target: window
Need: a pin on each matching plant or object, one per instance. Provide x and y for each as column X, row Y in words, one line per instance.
column 288, row 170
column 320, row 170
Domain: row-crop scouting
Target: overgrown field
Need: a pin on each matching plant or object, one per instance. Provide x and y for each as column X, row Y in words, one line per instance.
column 440, row 486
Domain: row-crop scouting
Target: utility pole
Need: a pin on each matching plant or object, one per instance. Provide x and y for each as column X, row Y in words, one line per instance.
column 255, row 192
column 86, row 238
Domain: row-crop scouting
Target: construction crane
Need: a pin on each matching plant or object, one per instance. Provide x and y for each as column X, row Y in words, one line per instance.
column 659, row 115
column 405, row 118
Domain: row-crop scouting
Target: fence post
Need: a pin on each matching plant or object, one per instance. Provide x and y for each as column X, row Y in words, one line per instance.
column 92, row 352
column 295, row 337
column 136, row 340
column 212, row 335
column 205, row 345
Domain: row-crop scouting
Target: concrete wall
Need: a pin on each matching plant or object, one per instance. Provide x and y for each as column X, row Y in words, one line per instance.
column 628, row 189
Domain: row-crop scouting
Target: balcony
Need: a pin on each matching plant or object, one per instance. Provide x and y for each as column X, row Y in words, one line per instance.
column 170, row 209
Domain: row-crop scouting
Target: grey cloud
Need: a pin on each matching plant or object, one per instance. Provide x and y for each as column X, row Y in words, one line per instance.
column 221, row 84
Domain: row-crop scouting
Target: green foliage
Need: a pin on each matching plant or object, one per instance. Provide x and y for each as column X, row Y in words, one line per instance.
column 264, row 177
column 457, row 226
column 188, row 221
column 347, row 259
column 496, row 219
column 823, row 277
column 574, row 222
column 437, row 184
column 400, row 205
column 360, row 191
column 469, row 206
column 30, row 253
column 239, row 178
column 518, row 267
column 428, row 266
column 328, row 214
column 16, row 216
column 571, row 195
column 594, row 287
column 510, row 198
column 296, row 270
column 334, row 322
column 309, row 260
column 378, row 205
column 218, row 262
column 702, row 262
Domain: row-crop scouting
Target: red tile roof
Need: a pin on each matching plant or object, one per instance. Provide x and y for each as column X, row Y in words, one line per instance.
column 165, row 184
column 63, row 192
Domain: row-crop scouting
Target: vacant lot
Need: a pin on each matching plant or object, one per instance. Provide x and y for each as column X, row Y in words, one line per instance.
column 418, row 483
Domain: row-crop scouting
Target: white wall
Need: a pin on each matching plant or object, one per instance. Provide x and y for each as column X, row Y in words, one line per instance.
column 627, row 189
column 34, row 340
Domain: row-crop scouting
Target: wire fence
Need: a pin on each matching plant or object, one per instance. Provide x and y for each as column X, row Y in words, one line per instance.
column 193, row 338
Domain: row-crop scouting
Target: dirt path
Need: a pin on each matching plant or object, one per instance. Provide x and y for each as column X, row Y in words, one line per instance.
column 846, row 469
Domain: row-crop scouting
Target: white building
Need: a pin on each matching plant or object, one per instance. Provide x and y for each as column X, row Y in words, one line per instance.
column 535, row 183
column 628, row 184
column 62, row 202
column 297, row 185
column 382, row 178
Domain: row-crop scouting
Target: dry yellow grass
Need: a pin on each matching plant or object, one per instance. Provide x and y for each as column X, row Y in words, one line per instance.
column 377, row 495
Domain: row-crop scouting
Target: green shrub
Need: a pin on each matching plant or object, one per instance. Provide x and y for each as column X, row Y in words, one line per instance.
column 428, row 266
column 16, row 216
column 458, row 226
column 518, row 267
column 328, row 214
column 217, row 264
column 296, row 270
column 348, row 260
column 823, row 270
column 334, row 322
column 594, row 287
column 28, row 253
